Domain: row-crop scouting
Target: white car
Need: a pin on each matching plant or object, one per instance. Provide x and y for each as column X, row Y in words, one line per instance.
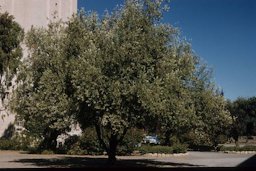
column 151, row 140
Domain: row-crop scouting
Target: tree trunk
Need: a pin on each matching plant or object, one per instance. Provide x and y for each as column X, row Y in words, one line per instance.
column 167, row 138
column 50, row 140
column 112, row 149
column 236, row 136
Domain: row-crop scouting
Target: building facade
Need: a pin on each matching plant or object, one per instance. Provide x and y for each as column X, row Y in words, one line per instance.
column 36, row 13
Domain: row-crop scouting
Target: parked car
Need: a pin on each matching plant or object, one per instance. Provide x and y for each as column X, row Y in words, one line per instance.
column 151, row 139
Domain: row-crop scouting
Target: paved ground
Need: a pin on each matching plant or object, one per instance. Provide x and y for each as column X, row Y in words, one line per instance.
column 12, row 159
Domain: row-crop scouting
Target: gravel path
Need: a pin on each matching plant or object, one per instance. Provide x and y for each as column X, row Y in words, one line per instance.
column 14, row 159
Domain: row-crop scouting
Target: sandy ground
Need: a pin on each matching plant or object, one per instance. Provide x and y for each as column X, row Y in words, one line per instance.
column 14, row 159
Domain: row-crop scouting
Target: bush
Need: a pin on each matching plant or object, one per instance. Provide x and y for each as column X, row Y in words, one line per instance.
column 20, row 141
column 47, row 152
column 25, row 141
column 201, row 147
column 221, row 139
column 236, row 148
column 89, row 143
column 76, row 150
column 131, row 140
column 6, row 144
column 179, row 148
column 248, row 148
column 155, row 149
column 69, row 142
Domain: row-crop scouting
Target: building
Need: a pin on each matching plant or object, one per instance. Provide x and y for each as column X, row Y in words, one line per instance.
column 36, row 13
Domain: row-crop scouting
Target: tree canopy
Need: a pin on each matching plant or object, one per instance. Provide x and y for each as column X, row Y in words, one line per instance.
column 121, row 71
column 11, row 36
column 243, row 112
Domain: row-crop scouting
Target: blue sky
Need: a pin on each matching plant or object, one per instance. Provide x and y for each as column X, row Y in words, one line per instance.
column 222, row 33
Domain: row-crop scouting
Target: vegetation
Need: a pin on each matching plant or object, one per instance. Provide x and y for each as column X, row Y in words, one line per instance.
column 155, row 149
column 21, row 141
column 40, row 98
column 11, row 35
column 123, row 72
column 178, row 148
column 243, row 112
column 236, row 148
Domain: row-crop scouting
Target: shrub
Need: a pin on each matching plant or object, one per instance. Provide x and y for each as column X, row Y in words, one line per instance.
column 25, row 141
column 201, row 147
column 47, row 152
column 7, row 144
column 248, row 148
column 221, row 139
column 131, row 140
column 76, row 150
column 155, row 149
column 17, row 142
column 69, row 142
column 179, row 148
column 236, row 148
column 89, row 142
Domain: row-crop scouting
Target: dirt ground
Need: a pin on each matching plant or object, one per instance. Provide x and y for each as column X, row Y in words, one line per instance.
column 15, row 159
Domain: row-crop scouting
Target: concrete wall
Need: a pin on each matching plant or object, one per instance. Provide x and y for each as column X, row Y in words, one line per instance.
column 37, row 13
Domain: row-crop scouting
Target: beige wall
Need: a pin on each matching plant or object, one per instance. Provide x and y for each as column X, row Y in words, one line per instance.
column 37, row 13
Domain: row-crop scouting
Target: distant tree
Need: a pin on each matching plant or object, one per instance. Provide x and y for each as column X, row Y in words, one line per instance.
column 243, row 112
column 212, row 117
column 11, row 36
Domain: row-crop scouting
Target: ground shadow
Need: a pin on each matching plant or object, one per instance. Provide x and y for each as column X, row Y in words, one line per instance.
column 251, row 162
column 80, row 162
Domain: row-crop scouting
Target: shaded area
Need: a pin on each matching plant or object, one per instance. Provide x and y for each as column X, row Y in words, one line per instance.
column 251, row 162
column 9, row 131
column 78, row 162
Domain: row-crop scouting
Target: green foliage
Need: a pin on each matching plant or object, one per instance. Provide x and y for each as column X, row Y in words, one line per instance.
column 11, row 35
column 24, row 142
column 243, row 112
column 121, row 71
column 47, row 152
column 40, row 97
column 155, row 149
column 131, row 141
column 76, row 150
column 236, row 148
column 69, row 142
column 179, row 148
column 20, row 141
column 89, row 142
column 7, row 144
column 211, row 116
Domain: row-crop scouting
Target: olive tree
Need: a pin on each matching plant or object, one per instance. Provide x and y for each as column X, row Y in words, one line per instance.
column 117, row 72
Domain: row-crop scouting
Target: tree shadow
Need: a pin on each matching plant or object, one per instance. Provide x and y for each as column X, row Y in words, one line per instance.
column 251, row 162
column 80, row 162
column 9, row 131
